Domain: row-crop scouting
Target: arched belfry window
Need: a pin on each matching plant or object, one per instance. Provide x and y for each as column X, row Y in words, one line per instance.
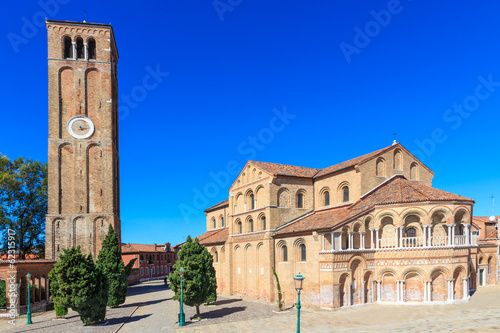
column 345, row 194
column 68, row 48
column 80, row 53
column 215, row 223
column 250, row 224
column 264, row 223
column 285, row 254
column 327, row 198
column 411, row 232
column 222, row 221
column 91, row 46
column 252, row 202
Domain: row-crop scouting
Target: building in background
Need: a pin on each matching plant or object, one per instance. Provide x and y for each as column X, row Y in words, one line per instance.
column 152, row 262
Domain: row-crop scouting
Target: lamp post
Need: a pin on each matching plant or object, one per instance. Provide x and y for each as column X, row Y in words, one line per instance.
column 298, row 286
column 181, row 314
column 28, row 278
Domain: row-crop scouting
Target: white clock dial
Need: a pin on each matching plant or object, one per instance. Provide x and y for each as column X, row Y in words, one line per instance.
column 80, row 127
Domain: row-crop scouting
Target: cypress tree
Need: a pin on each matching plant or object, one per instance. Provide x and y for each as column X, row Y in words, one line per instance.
column 76, row 283
column 199, row 282
column 110, row 262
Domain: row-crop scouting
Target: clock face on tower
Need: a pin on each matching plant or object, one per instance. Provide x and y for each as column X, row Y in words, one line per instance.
column 80, row 127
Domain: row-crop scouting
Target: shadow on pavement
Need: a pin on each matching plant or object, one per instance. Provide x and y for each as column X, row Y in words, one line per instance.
column 144, row 303
column 226, row 301
column 220, row 313
column 135, row 318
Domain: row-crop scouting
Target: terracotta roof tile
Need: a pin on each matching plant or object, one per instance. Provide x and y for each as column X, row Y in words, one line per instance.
column 396, row 190
column 128, row 248
column 221, row 204
column 285, row 170
column 481, row 221
column 214, row 236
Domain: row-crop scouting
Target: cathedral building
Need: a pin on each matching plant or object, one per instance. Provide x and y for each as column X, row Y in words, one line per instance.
column 371, row 229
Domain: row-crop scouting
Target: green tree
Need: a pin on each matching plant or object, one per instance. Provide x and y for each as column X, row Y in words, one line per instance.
column 110, row 262
column 3, row 295
column 200, row 284
column 23, row 204
column 77, row 283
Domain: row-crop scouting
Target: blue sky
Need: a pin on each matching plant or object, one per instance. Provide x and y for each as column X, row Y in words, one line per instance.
column 340, row 76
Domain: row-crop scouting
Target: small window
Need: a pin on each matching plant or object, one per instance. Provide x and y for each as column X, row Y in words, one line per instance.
column 161, row 268
column 161, row 257
column 222, row 222
column 216, row 256
column 345, row 194
column 142, row 257
column 380, row 167
column 147, row 271
column 142, row 271
column 215, row 224
column 251, row 225
column 327, row 198
column 285, row 254
column 264, row 223
column 302, row 252
column 91, row 46
column 411, row 232
column 252, row 202
column 240, row 229
column 68, row 48
column 414, row 171
column 300, row 200
column 489, row 265
column 79, row 48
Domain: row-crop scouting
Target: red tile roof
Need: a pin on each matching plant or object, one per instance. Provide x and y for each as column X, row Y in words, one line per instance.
column 285, row 170
column 130, row 248
column 214, row 236
column 481, row 221
column 395, row 190
column 221, row 204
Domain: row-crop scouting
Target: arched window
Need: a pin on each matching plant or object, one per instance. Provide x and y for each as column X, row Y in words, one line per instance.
column 345, row 194
column 414, row 171
column 250, row 224
column 411, row 232
column 222, row 221
column 215, row 223
column 263, row 223
column 142, row 271
column 68, row 48
column 398, row 159
column 91, row 46
column 216, row 256
column 79, row 48
column 252, row 202
column 142, row 257
column 285, row 254
column 302, row 252
column 380, row 167
column 489, row 265
column 327, row 198
column 300, row 200
column 240, row 229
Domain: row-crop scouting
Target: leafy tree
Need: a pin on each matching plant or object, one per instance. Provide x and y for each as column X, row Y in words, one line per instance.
column 61, row 311
column 23, row 203
column 200, row 284
column 3, row 295
column 110, row 262
column 76, row 283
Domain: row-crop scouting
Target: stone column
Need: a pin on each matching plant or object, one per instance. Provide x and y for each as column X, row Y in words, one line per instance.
column 429, row 231
column 453, row 234
column 402, row 290
column 397, row 238
column 363, row 292
column 400, row 237
column 371, row 239
column 398, row 291
column 467, row 234
column 351, row 240
column 376, row 239
column 374, row 290
column 425, row 291
column 450, row 289
column 379, row 291
column 362, row 239
column 465, row 287
column 74, row 50
column 349, row 293
column 449, row 234
column 323, row 242
column 424, row 229
column 86, row 51
column 332, row 237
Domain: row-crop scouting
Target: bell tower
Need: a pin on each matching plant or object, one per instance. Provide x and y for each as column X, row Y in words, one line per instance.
column 83, row 162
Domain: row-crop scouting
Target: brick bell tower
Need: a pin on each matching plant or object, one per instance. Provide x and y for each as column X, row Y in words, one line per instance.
column 84, row 190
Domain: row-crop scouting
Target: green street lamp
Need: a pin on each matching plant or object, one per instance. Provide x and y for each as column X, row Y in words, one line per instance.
column 298, row 286
column 181, row 314
column 28, row 278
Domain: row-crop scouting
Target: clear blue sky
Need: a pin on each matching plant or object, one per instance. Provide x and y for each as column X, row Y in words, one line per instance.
column 231, row 66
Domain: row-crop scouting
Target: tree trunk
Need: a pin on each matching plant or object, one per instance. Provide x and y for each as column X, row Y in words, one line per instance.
column 198, row 311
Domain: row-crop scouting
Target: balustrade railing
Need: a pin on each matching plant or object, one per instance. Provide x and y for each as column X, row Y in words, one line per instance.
column 460, row 240
column 411, row 242
column 438, row 241
column 388, row 243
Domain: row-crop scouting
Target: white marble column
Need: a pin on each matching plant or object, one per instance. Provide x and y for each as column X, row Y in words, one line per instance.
column 86, row 51
column 363, row 292
column 449, row 234
column 74, row 49
column 425, row 291
column 332, row 237
column 465, row 287
column 349, row 293
column 379, row 291
column 429, row 236
column 400, row 237
column 371, row 239
column 397, row 237
column 376, row 239
column 467, row 234
column 450, row 289
column 362, row 240
column 374, row 290
column 323, row 242
column 398, row 291
column 453, row 234
column 424, row 229
column 351, row 240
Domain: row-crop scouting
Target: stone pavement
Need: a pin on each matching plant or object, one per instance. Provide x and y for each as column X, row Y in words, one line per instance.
column 149, row 308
